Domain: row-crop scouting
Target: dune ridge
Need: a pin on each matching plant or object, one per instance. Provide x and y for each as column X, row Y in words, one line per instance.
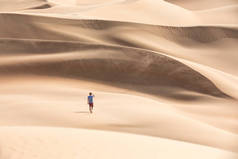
column 165, row 39
column 108, row 64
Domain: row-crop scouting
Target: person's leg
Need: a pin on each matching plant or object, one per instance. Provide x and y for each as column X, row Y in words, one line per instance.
column 91, row 107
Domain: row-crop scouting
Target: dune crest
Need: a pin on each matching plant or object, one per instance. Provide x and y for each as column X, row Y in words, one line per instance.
column 114, row 65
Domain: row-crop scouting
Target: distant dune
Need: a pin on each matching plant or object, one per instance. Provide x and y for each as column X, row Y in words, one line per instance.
column 164, row 74
column 202, row 4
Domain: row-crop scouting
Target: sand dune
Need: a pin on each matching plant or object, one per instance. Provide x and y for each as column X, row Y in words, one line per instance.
column 202, row 4
column 17, row 5
column 183, row 42
column 47, row 143
column 140, row 11
column 132, row 12
column 114, row 65
column 164, row 74
column 38, row 98
column 219, row 15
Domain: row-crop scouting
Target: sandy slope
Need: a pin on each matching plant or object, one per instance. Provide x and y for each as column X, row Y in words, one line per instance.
column 203, row 4
column 54, row 102
column 46, row 102
column 114, row 65
column 17, row 5
column 219, row 15
column 76, row 143
column 199, row 44
column 164, row 74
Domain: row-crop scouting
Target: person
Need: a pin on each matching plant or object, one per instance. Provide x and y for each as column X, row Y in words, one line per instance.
column 90, row 102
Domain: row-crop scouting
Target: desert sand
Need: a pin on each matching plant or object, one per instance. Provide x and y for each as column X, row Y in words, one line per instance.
column 164, row 74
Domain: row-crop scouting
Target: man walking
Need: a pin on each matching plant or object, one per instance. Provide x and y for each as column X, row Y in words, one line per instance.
column 90, row 102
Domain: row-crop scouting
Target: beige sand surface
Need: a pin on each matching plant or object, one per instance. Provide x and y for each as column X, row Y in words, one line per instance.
column 202, row 4
column 164, row 74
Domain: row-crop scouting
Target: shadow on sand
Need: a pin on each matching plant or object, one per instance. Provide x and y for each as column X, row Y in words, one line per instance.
column 83, row 112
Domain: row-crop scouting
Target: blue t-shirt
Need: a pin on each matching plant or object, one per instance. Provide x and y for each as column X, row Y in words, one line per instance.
column 90, row 99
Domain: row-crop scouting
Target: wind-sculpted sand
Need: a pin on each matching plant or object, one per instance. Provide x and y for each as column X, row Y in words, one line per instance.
column 164, row 74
